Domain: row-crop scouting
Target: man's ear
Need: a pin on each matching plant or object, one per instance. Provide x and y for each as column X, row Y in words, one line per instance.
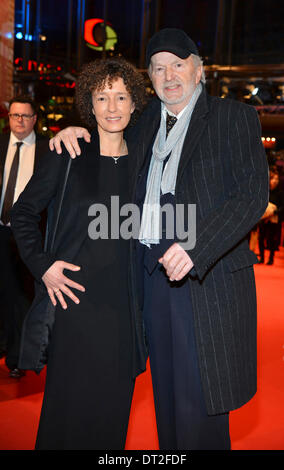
column 198, row 74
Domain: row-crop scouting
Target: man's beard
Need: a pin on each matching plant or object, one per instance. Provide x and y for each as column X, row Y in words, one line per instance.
column 185, row 97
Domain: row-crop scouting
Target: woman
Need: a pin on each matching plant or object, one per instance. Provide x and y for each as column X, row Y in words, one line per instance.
column 91, row 352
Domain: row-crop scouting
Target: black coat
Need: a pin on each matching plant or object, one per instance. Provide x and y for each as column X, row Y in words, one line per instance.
column 223, row 170
column 45, row 191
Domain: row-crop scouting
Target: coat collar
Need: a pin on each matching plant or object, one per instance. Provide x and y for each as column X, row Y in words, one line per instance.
column 140, row 137
column 94, row 147
column 145, row 130
column 151, row 121
column 195, row 129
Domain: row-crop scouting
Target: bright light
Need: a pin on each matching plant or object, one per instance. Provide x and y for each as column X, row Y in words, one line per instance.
column 54, row 116
column 111, row 36
column 28, row 37
column 268, row 139
column 273, row 139
column 44, row 128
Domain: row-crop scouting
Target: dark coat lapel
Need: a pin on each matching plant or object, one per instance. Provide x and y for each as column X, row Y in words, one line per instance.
column 194, row 133
column 40, row 149
column 139, row 139
column 133, row 158
column 80, row 190
column 141, row 136
column 4, row 141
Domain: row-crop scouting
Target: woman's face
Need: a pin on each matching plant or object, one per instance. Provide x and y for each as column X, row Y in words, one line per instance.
column 274, row 181
column 112, row 107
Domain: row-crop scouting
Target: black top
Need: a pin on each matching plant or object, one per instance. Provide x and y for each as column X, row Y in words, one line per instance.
column 104, row 244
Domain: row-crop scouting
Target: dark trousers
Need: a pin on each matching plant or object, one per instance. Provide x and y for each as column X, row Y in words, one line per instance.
column 182, row 419
column 268, row 237
column 16, row 291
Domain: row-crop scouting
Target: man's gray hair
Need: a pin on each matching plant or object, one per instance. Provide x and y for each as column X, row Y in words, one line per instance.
column 199, row 62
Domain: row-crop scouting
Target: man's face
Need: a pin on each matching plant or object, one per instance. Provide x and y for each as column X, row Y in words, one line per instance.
column 21, row 126
column 174, row 79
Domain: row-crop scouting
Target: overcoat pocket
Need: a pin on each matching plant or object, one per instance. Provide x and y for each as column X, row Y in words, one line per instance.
column 240, row 259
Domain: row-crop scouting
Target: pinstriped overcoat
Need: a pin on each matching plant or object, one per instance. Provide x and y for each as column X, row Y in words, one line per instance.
column 223, row 170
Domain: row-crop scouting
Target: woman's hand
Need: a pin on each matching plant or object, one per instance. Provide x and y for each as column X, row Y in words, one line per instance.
column 69, row 137
column 56, row 283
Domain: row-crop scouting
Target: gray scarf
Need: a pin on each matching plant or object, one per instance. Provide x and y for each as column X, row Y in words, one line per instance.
column 160, row 181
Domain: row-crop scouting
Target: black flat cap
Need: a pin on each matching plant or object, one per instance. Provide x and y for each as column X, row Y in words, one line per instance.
column 171, row 40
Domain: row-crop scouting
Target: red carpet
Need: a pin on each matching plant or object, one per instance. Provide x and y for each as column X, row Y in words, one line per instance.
column 259, row 425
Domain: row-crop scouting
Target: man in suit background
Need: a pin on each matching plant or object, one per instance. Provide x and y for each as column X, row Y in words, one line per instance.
column 19, row 153
column 198, row 303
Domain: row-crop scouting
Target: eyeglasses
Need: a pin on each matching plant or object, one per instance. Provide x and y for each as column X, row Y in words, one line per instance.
column 25, row 117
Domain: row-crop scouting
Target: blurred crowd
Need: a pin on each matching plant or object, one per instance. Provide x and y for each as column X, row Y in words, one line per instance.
column 266, row 238
column 256, row 93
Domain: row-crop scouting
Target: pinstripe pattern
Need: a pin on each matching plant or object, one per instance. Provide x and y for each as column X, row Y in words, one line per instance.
column 223, row 170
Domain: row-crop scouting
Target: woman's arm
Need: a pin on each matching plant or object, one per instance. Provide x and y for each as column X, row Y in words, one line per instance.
column 39, row 194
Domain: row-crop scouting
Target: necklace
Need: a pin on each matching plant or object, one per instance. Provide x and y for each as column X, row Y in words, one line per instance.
column 122, row 152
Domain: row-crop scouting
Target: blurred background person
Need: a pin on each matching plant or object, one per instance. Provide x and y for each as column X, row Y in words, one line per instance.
column 257, row 94
column 270, row 226
column 20, row 151
column 227, row 89
column 280, row 94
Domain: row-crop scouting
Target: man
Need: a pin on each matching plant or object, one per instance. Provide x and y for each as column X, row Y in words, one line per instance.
column 19, row 154
column 198, row 303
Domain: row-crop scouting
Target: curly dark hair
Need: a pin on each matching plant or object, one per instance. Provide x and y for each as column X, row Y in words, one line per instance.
column 99, row 73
